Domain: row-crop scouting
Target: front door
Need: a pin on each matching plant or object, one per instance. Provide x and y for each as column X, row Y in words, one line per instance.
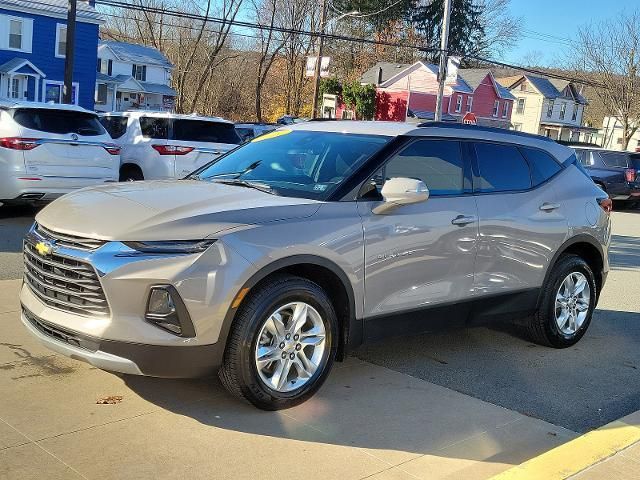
column 420, row 256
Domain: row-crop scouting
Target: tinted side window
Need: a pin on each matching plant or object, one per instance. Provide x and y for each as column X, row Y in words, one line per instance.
column 204, row 131
column 116, row 126
column 153, row 127
column 59, row 121
column 584, row 157
column 543, row 166
column 438, row 163
column 613, row 159
column 501, row 168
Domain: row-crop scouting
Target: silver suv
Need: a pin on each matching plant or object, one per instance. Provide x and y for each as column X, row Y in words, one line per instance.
column 280, row 257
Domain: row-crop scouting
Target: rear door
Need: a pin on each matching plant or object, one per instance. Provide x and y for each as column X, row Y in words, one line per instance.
column 521, row 222
column 70, row 144
column 200, row 142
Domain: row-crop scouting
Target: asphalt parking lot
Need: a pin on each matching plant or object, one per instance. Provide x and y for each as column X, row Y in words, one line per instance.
column 388, row 402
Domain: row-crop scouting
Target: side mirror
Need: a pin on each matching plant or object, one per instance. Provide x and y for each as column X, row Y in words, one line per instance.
column 401, row 191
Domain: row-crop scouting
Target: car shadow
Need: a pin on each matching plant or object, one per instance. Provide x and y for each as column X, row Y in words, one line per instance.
column 14, row 224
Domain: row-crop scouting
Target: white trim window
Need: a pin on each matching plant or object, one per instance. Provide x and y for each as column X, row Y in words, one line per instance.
column 550, row 108
column 13, row 88
column 469, row 103
column 52, row 91
column 520, row 106
column 574, row 115
column 496, row 108
column 61, row 40
column 458, row 103
column 563, row 110
column 16, row 33
column 505, row 109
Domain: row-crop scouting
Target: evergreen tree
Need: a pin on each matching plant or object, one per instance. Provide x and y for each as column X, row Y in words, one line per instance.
column 466, row 32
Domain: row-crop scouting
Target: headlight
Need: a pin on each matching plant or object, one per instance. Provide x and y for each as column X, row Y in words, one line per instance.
column 172, row 246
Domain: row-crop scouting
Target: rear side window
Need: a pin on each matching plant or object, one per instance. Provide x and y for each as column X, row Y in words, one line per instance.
column 501, row 168
column 116, row 125
column 438, row 163
column 543, row 166
column 59, row 121
column 584, row 157
column 204, row 131
column 614, row 159
column 635, row 161
column 155, row 127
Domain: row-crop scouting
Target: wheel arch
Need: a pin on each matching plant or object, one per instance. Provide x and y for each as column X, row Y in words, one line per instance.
column 586, row 247
column 328, row 275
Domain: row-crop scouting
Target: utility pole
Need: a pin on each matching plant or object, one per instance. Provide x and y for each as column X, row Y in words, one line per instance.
column 442, row 69
column 316, row 75
column 69, row 52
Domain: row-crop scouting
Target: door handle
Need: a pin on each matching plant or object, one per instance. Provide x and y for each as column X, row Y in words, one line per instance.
column 549, row 207
column 461, row 220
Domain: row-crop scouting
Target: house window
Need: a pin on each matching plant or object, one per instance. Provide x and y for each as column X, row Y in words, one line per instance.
column 139, row 72
column 550, row 109
column 505, row 109
column 105, row 66
column 574, row 115
column 459, row 103
column 523, row 87
column 496, row 108
column 469, row 103
column 61, row 40
column 101, row 94
column 15, row 34
column 563, row 110
column 520, row 107
column 13, row 88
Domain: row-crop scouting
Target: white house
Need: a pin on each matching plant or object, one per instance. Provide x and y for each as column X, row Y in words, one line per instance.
column 611, row 135
column 132, row 77
column 547, row 106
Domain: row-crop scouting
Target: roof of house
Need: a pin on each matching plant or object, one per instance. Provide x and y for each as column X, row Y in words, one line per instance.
column 551, row 88
column 388, row 71
column 134, row 53
column 56, row 8
column 104, row 78
column 474, row 77
column 158, row 88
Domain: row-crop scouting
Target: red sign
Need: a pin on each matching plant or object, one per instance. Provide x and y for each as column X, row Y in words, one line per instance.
column 470, row 119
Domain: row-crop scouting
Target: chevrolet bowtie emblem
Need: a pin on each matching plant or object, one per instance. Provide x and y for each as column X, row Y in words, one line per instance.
column 44, row 248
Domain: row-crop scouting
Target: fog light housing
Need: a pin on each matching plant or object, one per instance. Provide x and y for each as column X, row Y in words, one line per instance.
column 166, row 310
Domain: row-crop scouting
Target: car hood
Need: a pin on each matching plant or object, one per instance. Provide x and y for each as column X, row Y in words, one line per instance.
column 167, row 210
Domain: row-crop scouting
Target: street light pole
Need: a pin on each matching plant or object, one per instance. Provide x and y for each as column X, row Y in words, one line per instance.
column 442, row 69
column 316, row 73
column 69, row 53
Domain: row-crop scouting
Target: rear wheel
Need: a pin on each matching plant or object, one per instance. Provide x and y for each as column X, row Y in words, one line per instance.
column 130, row 173
column 567, row 304
column 282, row 344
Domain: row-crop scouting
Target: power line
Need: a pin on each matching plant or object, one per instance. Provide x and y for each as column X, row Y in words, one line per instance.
column 250, row 25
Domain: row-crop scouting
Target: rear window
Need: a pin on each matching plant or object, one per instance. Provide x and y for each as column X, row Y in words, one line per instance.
column 501, row 168
column 116, row 125
column 615, row 159
column 635, row 161
column 543, row 166
column 59, row 121
column 155, row 127
column 204, row 131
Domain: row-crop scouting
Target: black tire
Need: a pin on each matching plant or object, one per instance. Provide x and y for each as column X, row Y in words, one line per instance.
column 131, row 173
column 239, row 373
column 542, row 327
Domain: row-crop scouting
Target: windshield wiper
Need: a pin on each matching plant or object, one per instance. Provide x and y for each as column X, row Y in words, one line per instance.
column 244, row 183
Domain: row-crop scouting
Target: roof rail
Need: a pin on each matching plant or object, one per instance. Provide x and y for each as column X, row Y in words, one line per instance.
column 464, row 126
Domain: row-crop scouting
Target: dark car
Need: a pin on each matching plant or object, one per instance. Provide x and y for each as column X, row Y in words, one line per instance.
column 617, row 173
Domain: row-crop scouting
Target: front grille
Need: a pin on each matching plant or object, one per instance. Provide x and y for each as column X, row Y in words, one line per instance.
column 64, row 283
column 69, row 241
column 60, row 334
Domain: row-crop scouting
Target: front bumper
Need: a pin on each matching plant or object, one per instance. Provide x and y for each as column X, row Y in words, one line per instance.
column 123, row 357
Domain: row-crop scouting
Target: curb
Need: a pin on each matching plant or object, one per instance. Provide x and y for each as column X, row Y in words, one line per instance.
column 580, row 453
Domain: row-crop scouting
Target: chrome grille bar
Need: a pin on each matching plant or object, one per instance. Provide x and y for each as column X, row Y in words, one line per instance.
column 69, row 241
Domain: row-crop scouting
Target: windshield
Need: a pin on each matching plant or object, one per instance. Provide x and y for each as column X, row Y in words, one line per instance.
column 296, row 163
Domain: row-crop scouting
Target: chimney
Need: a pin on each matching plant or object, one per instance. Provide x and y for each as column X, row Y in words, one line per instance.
column 379, row 76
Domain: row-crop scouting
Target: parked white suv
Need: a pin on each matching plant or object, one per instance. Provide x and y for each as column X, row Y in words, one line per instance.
column 158, row 145
column 48, row 150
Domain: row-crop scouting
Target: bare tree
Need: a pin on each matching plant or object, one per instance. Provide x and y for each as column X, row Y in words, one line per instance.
column 608, row 53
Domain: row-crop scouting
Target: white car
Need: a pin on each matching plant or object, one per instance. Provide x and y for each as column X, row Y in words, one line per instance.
column 157, row 145
column 47, row 150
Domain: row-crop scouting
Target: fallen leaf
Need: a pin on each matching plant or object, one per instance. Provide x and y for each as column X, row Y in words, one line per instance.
column 110, row 400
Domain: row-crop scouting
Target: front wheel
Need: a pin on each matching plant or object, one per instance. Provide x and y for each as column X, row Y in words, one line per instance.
column 567, row 304
column 282, row 344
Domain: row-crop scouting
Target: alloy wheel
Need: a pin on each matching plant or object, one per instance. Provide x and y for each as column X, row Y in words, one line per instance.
column 572, row 303
column 290, row 347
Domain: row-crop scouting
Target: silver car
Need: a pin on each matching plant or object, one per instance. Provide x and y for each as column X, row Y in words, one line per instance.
column 277, row 259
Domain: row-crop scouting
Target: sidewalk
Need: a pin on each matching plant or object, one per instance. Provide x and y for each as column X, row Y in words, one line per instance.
column 366, row 422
